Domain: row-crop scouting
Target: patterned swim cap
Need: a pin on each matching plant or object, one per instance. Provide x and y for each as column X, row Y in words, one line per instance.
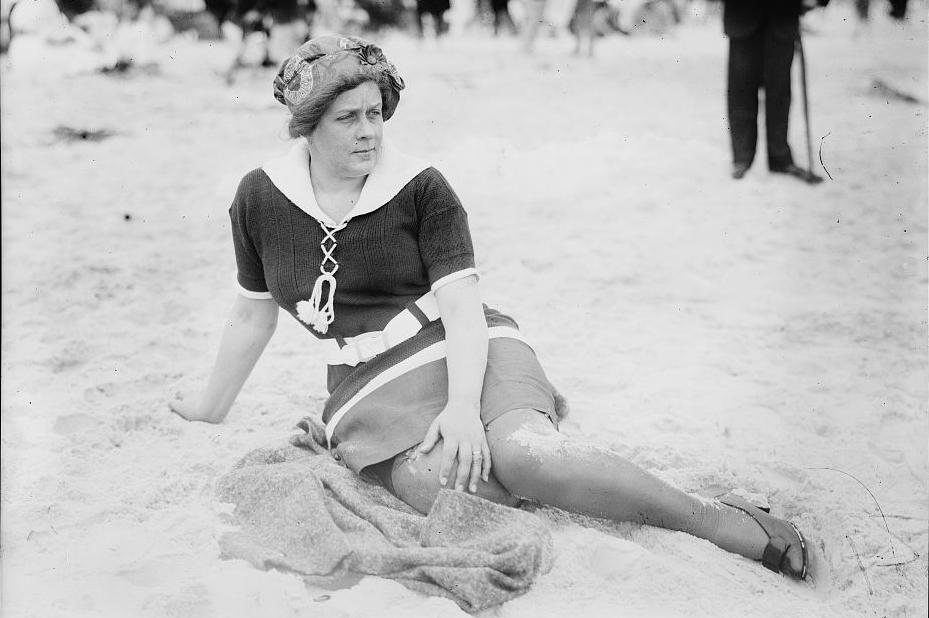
column 322, row 60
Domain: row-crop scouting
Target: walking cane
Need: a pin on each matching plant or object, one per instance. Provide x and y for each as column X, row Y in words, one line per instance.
column 810, row 176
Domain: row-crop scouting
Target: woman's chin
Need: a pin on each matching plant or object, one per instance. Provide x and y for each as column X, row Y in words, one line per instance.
column 362, row 167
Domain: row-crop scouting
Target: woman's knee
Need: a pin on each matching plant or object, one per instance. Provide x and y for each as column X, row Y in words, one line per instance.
column 529, row 453
column 416, row 481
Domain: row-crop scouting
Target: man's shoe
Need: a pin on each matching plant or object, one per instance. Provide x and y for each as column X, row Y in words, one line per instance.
column 798, row 172
column 739, row 170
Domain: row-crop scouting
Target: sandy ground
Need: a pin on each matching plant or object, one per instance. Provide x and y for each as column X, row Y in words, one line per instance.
column 759, row 334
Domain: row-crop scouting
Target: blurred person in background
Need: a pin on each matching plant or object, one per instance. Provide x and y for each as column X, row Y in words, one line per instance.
column 502, row 18
column 481, row 15
column 278, row 26
column 535, row 16
column 898, row 9
column 73, row 8
column 863, row 9
column 78, row 37
column 582, row 26
column 863, row 12
column 762, row 39
column 429, row 388
column 436, row 10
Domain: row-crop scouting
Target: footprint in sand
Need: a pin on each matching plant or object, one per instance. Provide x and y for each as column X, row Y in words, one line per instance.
column 99, row 393
column 614, row 559
column 894, row 443
column 135, row 405
column 154, row 572
column 174, row 312
column 131, row 389
column 193, row 600
column 73, row 354
column 70, row 424
column 85, row 431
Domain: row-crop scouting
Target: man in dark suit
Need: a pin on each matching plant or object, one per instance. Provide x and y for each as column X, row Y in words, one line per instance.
column 762, row 34
column 898, row 9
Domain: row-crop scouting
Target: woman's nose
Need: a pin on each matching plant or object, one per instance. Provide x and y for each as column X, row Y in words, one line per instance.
column 365, row 128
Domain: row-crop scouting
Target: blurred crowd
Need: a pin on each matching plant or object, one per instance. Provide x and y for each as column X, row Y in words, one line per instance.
column 116, row 35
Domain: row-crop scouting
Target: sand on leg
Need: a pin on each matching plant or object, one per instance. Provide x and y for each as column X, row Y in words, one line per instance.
column 533, row 460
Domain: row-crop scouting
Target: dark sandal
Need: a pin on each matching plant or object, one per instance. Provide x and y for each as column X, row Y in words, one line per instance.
column 782, row 535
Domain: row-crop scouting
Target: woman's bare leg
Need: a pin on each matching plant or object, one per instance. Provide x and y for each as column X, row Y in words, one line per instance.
column 532, row 460
column 416, row 481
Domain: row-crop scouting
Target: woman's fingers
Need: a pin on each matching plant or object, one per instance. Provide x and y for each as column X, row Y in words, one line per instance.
column 449, row 450
column 460, row 442
column 477, row 459
column 485, row 462
column 181, row 408
column 178, row 405
column 432, row 436
column 465, row 457
column 182, row 405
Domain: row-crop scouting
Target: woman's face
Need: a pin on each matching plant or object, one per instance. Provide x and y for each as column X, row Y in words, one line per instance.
column 347, row 140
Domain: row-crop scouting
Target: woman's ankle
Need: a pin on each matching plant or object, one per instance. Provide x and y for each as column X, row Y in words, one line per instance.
column 738, row 532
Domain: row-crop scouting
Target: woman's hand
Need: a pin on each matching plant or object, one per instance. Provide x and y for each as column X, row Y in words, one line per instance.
column 189, row 409
column 248, row 330
column 463, row 437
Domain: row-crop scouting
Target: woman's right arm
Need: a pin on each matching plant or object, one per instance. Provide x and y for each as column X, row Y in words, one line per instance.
column 248, row 330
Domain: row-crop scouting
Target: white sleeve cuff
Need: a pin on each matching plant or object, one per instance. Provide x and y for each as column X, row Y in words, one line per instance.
column 455, row 276
column 250, row 294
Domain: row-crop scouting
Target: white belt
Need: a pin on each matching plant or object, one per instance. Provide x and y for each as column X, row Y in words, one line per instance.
column 431, row 353
column 361, row 348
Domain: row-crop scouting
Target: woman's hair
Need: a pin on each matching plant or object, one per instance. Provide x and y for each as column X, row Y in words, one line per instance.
column 306, row 115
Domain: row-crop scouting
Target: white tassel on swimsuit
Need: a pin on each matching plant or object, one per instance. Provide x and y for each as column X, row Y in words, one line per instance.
column 314, row 312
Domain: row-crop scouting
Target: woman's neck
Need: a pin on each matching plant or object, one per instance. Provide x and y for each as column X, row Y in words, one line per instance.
column 336, row 195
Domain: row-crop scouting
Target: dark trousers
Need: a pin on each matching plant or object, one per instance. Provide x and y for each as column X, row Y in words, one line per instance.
column 502, row 16
column 438, row 18
column 760, row 60
column 863, row 9
column 898, row 9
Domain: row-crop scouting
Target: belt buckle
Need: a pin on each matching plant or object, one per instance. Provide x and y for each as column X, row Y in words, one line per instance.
column 368, row 346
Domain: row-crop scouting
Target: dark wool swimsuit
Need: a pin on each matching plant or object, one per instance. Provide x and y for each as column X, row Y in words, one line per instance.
column 407, row 235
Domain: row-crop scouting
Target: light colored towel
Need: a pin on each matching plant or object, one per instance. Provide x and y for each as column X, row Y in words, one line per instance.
column 298, row 509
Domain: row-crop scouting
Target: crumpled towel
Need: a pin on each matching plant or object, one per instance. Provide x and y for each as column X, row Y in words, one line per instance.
column 298, row 509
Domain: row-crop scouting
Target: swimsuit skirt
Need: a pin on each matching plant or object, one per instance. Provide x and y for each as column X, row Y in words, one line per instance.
column 384, row 406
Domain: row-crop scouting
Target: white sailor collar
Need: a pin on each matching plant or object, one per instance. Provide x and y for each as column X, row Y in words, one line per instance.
column 291, row 175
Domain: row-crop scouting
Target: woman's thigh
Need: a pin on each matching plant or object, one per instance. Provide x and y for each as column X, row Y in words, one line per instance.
column 415, row 480
column 520, row 432
column 527, row 450
column 513, row 437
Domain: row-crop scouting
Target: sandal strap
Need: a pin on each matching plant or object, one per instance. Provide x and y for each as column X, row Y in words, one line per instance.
column 803, row 550
column 774, row 553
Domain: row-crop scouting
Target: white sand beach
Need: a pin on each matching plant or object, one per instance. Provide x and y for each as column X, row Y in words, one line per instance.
column 762, row 334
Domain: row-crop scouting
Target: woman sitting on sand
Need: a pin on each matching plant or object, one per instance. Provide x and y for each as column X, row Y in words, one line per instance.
column 370, row 250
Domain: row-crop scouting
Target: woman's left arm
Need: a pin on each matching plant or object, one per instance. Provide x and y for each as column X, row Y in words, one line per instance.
column 459, row 424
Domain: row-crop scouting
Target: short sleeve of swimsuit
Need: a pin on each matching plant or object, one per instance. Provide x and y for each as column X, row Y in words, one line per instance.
column 250, row 272
column 444, row 237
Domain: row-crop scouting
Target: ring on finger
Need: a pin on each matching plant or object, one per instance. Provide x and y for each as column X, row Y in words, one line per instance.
column 476, row 454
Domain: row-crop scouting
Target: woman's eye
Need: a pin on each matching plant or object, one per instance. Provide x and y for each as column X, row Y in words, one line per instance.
column 374, row 112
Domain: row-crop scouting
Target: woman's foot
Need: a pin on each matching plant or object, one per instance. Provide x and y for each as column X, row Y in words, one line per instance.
column 189, row 409
column 787, row 550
